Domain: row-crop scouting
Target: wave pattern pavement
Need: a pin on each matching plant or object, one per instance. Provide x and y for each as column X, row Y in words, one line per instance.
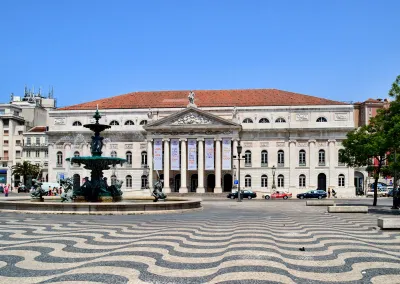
column 227, row 242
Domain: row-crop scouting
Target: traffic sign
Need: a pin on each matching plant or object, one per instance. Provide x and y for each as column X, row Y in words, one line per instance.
column 236, row 181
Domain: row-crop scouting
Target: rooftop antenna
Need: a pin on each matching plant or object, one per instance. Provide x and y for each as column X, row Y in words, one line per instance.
column 26, row 91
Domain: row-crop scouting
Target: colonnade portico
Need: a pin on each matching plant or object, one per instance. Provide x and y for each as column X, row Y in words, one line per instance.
column 183, row 162
column 178, row 133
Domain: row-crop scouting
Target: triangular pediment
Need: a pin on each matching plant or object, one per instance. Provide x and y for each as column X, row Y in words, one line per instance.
column 192, row 117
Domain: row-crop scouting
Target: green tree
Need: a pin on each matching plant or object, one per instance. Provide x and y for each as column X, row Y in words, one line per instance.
column 26, row 169
column 366, row 144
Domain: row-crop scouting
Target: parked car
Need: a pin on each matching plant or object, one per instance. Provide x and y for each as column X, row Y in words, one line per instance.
column 278, row 194
column 313, row 194
column 23, row 188
column 245, row 194
column 380, row 193
column 1, row 189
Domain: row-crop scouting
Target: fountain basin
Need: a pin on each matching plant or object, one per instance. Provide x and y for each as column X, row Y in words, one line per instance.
column 133, row 205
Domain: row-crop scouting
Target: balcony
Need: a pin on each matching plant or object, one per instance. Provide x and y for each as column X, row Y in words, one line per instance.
column 4, row 158
column 247, row 164
column 35, row 146
column 281, row 165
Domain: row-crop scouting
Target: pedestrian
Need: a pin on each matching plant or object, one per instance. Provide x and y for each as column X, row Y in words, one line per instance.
column 333, row 193
column 61, row 190
column 6, row 191
column 329, row 192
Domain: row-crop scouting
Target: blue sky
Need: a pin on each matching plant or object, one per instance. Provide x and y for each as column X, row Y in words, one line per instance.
column 88, row 49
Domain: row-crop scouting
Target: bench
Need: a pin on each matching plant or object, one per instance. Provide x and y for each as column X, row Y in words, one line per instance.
column 348, row 209
column 389, row 223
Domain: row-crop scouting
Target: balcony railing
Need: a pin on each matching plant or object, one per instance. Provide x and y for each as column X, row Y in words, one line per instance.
column 281, row 165
column 247, row 164
column 264, row 165
column 302, row 164
column 321, row 164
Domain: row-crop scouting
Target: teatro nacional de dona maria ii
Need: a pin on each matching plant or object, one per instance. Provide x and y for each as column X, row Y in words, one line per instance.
column 189, row 139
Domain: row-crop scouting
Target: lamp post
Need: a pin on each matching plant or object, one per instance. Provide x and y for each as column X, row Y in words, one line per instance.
column 273, row 177
column 239, row 149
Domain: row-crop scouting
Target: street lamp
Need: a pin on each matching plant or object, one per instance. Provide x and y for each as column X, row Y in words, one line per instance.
column 239, row 149
column 273, row 177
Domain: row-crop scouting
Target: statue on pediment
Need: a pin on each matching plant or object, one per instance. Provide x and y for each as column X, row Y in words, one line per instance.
column 191, row 97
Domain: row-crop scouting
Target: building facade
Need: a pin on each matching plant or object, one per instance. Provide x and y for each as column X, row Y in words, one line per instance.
column 191, row 143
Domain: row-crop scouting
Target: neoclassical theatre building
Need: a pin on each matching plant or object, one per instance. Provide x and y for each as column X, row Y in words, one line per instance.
column 189, row 140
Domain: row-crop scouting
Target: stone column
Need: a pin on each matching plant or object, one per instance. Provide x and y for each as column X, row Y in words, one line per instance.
column 293, row 161
column 200, row 188
column 312, row 174
column 332, row 163
column 166, row 188
column 150, row 162
column 183, row 188
column 218, row 188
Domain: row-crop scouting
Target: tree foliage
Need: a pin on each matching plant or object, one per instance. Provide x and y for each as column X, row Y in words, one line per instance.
column 26, row 169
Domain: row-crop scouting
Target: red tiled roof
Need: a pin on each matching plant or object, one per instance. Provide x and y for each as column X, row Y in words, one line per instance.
column 204, row 98
column 38, row 129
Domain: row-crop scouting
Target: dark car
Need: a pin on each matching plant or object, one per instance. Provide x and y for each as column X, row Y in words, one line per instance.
column 245, row 194
column 1, row 189
column 23, row 188
column 312, row 194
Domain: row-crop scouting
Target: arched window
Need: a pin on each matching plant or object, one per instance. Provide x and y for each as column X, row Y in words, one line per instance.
column 114, row 122
column 340, row 153
column 321, row 157
column 247, row 158
column 302, row 158
column 264, row 181
column 144, row 158
column 59, row 159
column 280, row 120
column 302, row 181
column 128, row 180
column 341, row 180
column 247, row 181
column 281, row 181
column 247, row 120
column 113, row 154
column 129, row 122
column 113, row 179
column 144, row 181
column 264, row 158
column 322, row 119
column 129, row 158
column 77, row 123
column 143, row 122
column 281, row 158
column 263, row 120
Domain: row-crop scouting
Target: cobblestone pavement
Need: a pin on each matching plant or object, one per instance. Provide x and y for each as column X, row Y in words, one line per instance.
column 227, row 242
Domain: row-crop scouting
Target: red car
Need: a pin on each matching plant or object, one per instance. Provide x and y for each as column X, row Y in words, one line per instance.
column 278, row 194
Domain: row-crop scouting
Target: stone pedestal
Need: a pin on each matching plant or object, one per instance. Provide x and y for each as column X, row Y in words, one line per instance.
column 80, row 199
column 37, row 199
column 105, row 199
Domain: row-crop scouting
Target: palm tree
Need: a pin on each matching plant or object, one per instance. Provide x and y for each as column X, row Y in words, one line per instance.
column 26, row 169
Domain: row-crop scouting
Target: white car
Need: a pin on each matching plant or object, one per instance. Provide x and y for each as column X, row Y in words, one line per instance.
column 370, row 193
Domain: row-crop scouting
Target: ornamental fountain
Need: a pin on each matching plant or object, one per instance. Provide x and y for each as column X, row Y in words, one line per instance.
column 96, row 189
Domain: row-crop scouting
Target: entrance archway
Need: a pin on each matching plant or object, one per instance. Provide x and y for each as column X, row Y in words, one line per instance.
column 228, row 182
column 177, row 182
column 359, row 183
column 76, row 181
column 322, row 182
column 210, row 183
column 194, row 181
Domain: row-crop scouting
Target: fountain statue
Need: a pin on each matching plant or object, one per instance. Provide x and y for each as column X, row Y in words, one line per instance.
column 67, row 184
column 96, row 188
column 37, row 193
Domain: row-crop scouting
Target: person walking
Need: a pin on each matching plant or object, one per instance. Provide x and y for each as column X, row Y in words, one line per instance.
column 329, row 192
column 6, row 191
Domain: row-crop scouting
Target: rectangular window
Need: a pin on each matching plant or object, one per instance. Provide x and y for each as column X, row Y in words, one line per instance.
column 28, row 141
column 37, row 141
column 281, row 159
column 28, row 154
column 302, row 158
column 18, row 142
column 5, row 132
column 5, row 155
column 46, row 153
column 321, row 158
column 37, row 154
column 5, row 142
column 5, row 122
column 18, row 154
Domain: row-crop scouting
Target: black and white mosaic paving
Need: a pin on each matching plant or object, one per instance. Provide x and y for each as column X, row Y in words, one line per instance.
column 227, row 242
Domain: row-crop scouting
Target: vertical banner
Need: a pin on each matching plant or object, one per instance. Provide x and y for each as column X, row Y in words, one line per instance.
column 158, row 166
column 209, row 153
column 175, row 155
column 226, row 154
column 192, row 155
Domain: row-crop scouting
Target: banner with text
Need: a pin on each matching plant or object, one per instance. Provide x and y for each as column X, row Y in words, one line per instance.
column 226, row 154
column 209, row 153
column 175, row 155
column 192, row 157
column 158, row 166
